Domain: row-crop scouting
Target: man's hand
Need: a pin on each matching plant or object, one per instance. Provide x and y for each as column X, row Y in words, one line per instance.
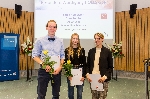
column 48, row 68
column 57, row 70
column 101, row 80
column 82, row 79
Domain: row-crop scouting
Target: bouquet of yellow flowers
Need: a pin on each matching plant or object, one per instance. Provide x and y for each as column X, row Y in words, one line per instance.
column 116, row 50
column 68, row 66
column 46, row 61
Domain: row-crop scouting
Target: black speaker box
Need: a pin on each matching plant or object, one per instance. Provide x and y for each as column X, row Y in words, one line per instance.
column 18, row 10
column 132, row 10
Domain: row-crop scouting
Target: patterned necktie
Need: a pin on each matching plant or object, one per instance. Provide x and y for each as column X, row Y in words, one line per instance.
column 51, row 39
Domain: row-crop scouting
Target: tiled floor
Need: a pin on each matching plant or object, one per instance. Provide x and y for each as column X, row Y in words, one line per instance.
column 122, row 89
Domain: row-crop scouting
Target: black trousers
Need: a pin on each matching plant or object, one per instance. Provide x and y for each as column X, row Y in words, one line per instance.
column 43, row 80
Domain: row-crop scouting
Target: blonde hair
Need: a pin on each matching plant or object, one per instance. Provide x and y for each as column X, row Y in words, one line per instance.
column 51, row 21
column 100, row 35
column 70, row 48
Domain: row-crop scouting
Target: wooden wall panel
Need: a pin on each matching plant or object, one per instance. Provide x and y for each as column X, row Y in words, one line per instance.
column 116, row 38
column 135, row 36
column 137, row 40
column 9, row 23
column 123, row 38
column 141, row 37
column 119, row 39
column 148, row 32
column 145, row 34
column 128, row 42
column 124, row 30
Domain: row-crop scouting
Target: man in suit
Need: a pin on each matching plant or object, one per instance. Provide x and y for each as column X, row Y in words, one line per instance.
column 100, row 61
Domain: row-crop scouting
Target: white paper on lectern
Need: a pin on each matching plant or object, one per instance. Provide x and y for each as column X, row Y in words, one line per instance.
column 95, row 85
column 77, row 75
column 57, row 60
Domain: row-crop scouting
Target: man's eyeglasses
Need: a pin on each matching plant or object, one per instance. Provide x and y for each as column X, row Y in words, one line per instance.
column 52, row 26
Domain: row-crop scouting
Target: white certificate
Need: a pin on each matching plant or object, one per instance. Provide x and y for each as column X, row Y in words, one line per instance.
column 77, row 75
column 95, row 85
column 57, row 60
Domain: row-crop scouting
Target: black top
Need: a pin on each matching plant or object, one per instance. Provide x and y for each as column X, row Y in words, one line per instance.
column 105, row 62
column 77, row 60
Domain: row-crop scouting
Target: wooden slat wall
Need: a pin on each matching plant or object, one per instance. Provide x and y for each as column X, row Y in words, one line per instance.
column 148, row 31
column 135, row 36
column 9, row 23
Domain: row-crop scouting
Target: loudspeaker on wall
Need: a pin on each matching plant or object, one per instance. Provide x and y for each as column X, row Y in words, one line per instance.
column 18, row 10
column 132, row 10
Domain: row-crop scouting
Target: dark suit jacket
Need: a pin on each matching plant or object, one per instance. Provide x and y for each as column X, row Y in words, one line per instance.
column 105, row 62
column 81, row 58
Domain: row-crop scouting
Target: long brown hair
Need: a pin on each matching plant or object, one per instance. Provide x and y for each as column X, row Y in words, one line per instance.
column 70, row 48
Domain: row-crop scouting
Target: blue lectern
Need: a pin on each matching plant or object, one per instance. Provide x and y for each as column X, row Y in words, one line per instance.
column 9, row 56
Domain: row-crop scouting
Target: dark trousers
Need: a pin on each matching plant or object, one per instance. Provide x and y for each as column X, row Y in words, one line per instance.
column 71, row 90
column 43, row 80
